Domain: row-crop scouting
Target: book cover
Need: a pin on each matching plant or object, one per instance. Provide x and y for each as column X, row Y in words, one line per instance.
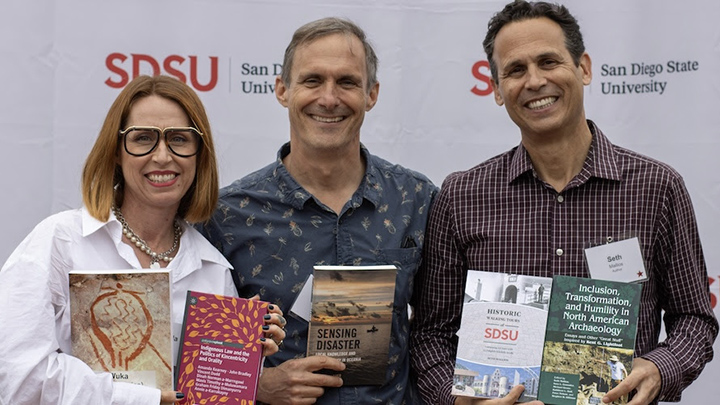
column 589, row 339
column 220, row 354
column 501, row 334
column 351, row 319
column 120, row 323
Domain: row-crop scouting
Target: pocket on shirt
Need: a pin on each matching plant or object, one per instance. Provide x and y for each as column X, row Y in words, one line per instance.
column 407, row 260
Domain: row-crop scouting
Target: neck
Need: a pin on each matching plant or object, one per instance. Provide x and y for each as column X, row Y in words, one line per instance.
column 331, row 178
column 557, row 160
column 155, row 228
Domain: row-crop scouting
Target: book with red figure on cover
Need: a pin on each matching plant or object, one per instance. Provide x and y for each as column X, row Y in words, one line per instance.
column 220, row 354
column 120, row 323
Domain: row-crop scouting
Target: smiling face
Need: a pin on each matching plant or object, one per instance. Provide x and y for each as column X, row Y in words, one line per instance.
column 538, row 82
column 327, row 94
column 159, row 179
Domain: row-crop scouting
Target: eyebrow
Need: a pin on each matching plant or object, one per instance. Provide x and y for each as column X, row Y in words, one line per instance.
column 309, row 75
column 550, row 54
column 544, row 55
column 351, row 77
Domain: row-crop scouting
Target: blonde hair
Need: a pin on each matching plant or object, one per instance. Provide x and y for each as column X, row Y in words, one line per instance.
column 102, row 179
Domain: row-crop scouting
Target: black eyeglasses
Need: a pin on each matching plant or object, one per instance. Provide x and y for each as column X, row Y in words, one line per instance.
column 182, row 141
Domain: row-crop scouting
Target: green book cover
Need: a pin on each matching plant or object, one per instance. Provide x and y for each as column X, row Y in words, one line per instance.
column 589, row 339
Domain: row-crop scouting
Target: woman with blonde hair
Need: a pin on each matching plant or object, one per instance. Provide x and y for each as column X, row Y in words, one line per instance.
column 151, row 172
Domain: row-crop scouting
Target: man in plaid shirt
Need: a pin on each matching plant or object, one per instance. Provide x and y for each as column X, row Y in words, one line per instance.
column 534, row 210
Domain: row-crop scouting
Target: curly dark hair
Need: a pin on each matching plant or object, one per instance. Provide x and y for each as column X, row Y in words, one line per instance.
column 523, row 10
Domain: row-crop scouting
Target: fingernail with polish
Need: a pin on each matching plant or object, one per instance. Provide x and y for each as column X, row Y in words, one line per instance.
column 271, row 307
column 267, row 317
column 179, row 395
column 265, row 327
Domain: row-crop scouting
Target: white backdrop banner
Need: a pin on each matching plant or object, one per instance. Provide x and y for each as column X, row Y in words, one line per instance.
column 655, row 89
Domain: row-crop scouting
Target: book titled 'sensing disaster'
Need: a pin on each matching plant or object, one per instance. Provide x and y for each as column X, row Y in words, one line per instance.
column 351, row 319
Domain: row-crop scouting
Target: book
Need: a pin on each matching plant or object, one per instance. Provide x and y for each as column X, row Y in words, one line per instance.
column 351, row 319
column 121, row 324
column 589, row 339
column 501, row 335
column 220, row 354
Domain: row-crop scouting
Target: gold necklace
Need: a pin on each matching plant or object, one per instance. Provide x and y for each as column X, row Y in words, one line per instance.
column 134, row 238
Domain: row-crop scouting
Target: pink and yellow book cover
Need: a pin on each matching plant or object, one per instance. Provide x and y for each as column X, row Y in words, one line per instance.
column 220, row 354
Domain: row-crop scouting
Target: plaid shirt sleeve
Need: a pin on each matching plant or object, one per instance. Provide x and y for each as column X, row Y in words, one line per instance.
column 438, row 295
column 690, row 325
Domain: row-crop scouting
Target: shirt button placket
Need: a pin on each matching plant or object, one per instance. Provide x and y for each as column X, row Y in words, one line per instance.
column 559, row 198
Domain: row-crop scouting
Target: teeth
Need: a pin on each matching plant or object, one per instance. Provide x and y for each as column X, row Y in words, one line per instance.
column 160, row 178
column 544, row 102
column 327, row 119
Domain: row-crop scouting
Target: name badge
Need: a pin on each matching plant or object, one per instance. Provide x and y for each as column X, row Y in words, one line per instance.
column 617, row 261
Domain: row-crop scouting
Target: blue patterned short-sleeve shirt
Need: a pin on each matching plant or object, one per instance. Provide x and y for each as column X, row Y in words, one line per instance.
column 273, row 232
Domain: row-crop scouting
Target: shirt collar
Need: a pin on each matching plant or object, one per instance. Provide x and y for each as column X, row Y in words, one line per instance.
column 600, row 161
column 91, row 225
column 194, row 249
column 295, row 195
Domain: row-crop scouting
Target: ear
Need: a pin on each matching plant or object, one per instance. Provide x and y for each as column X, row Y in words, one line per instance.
column 586, row 68
column 372, row 97
column 281, row 91
column 496, row 92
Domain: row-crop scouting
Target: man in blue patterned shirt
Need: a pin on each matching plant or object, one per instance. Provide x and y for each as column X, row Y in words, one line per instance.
column 325, row 200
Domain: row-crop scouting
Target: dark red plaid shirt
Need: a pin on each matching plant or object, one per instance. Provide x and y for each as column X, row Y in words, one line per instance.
column 498, row 216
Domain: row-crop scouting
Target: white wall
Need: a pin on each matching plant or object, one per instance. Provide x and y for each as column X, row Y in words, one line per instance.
column 55, row 67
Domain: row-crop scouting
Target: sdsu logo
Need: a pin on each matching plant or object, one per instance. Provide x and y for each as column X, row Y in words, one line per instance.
column 182, row 68
column 481, row 71
column 500, row 334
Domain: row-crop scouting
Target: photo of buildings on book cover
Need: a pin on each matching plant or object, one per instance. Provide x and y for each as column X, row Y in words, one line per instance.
column 120, row 323
column 352, row 309
column 501, row 335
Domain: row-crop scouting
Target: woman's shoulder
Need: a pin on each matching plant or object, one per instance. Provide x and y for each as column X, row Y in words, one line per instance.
column 62, row 223
column 57, row 229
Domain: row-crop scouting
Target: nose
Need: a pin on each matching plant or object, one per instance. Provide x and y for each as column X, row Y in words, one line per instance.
column 535, row 78
column 329, row 95
column 162, row 153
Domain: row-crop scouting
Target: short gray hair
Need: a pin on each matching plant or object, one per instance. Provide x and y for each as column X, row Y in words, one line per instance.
column 324, row 27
